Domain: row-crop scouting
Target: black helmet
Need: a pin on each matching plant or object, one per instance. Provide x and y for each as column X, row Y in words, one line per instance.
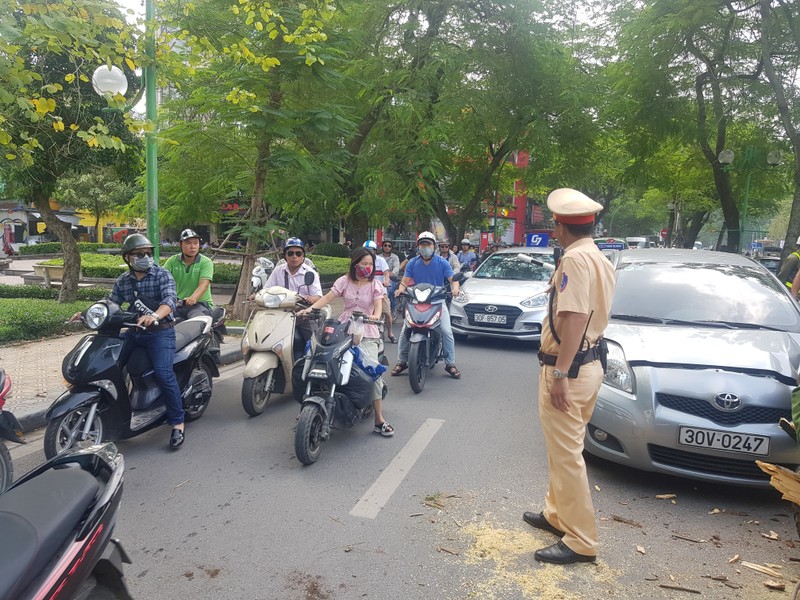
column 188, row 234
column 135, row 241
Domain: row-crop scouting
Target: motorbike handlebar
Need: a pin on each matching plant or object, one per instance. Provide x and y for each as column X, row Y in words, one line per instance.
column 155, row 323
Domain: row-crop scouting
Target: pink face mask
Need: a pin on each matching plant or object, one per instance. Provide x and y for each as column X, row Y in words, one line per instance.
column 364, row 272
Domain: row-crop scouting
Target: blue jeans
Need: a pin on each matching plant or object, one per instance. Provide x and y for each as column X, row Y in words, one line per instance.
column 392, row 288
column 448, row 341
column 160, row 347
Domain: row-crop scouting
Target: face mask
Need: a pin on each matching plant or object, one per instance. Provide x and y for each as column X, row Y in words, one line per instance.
column 142, row 264
column 425, row 252
column 363, row 271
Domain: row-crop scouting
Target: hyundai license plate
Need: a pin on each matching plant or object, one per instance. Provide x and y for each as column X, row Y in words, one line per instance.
column 724, row 440
column 485, row 318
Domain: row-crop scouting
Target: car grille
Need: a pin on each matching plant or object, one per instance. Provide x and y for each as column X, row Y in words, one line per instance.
column 511, row 313
column 706, row 410
column 711, row 465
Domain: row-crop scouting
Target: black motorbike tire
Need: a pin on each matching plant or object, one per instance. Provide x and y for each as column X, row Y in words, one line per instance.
column 6, row 468
column 193, row 415
column 100, row 591
column 253, row 401
column 53, row 445
column 417, row 366
column 307, row 443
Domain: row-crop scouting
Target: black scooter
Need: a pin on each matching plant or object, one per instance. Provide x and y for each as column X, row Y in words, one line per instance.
column 57, row 522
column 108, row 400
column 339, row 390
column 10, row 430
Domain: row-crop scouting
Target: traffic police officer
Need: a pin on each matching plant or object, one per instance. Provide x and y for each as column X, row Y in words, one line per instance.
column 571, row 352
column 790, row 269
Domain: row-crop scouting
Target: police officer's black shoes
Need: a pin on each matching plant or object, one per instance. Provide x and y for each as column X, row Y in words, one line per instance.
column 176, row 438
column 537, row 520
column 560, row 554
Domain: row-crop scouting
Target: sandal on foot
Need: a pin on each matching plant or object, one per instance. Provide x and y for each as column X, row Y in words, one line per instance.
column 399, row 368
column 453, row 371
column 392, row 339
column 384, row 429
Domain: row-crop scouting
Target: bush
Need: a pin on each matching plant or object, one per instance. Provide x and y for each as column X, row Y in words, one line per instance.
column 31, row 319
column 330, row 249
column 43, row 293
column 55, row 248
column 226, row 273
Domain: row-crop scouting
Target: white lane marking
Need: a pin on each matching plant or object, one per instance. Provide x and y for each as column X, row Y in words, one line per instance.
column 379, row 493
column 230, row 373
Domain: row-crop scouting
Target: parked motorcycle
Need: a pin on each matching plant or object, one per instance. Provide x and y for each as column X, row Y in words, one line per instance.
column 271, row 345
column 261, row 273
column 11, row 430
column 109, row 400
column 218, row 330
column 337, row 394
column 57, row 522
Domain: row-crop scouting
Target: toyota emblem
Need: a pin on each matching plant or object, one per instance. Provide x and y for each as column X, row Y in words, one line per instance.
column 491, row 308
column 728, row 401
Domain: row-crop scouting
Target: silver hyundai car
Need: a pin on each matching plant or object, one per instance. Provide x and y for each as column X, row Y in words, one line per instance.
column 704, row 349
column 506, row 297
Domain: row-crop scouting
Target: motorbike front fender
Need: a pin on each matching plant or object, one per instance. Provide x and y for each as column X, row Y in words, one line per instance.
column 10, row 428
column 260, row 362
column 418, row 336
column 320, row 402
column 73, row 398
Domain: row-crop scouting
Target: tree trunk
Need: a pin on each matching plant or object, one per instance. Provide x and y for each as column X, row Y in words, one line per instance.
column 240, row 308
column 97, row 233
column 72, row 258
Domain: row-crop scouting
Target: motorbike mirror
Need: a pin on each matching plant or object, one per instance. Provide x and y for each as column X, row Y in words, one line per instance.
column 308, row 279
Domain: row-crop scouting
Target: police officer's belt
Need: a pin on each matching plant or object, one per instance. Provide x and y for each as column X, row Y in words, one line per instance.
column 584, row 357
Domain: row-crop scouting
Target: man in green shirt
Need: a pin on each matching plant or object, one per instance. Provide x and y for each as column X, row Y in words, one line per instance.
column 193, row 274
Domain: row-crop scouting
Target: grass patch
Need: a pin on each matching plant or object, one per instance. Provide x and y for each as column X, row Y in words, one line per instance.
column 32, row 318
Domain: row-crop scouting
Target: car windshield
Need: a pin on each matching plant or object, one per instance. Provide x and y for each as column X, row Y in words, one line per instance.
column 508, row 266
column 731, row 294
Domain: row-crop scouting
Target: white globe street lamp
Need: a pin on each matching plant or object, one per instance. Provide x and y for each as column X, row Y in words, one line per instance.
column 109, row 81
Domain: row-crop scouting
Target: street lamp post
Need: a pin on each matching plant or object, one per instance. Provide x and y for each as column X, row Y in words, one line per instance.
column 111, row 80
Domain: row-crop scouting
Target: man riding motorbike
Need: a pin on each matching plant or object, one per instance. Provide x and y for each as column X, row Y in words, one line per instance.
column 193, row 274
column 291, row 275
column 431, row 268
column 150, row 291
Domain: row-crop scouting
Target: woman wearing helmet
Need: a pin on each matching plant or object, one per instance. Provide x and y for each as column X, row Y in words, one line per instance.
column 193, row 274
column 150, row 291
column 382, row 274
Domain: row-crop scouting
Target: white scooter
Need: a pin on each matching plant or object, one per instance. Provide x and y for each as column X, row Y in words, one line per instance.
column 268, row 346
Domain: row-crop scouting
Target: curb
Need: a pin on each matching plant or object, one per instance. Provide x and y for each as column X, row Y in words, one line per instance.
column 37, row 420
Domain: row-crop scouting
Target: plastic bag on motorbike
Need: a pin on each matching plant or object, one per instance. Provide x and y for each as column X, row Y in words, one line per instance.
column 360, row 389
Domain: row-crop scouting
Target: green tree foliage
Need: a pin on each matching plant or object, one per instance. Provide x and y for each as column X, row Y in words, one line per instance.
column 100, row 192
column 51, row 120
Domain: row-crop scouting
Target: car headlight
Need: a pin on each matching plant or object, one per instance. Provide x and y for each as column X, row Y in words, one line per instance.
column 270, row 300
column 96, row 315
column 619, row 374
column 462, row 297
column 535, row 301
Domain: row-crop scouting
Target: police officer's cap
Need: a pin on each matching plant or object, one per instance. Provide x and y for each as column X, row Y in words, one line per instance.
column 572, row 207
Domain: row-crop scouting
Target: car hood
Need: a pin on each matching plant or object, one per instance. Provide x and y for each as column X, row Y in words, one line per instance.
column 504, row 288
column 773, row 353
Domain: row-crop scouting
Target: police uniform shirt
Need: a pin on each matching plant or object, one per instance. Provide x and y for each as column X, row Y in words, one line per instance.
column 583, row 283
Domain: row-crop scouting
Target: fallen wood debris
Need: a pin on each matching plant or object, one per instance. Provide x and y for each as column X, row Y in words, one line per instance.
column 678, row 588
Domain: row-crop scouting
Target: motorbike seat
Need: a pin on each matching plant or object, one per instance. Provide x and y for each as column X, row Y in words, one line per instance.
column 185, row 332
column 36, row 518
column 217, row 313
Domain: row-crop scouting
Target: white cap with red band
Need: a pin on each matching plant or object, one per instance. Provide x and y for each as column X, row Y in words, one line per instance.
column 572, row 207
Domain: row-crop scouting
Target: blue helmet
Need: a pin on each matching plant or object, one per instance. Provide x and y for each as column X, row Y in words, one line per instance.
column 370, row 245
column 294, row 241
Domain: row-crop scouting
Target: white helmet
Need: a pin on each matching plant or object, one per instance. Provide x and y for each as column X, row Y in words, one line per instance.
column 466, row 241
column 426, row 235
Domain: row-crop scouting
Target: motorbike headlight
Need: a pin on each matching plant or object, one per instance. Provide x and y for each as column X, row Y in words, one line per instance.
column 270, row 300
column 96, row 315
column 422, row 295
column 619, row 374
column 462, row 297
column 535, row 301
